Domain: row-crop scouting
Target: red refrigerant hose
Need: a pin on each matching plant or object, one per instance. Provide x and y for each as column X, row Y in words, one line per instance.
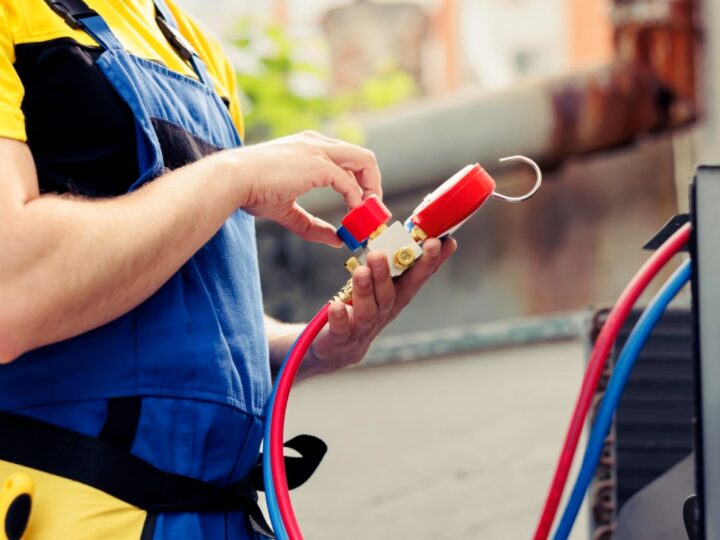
column 595, row 368
column 293, row 362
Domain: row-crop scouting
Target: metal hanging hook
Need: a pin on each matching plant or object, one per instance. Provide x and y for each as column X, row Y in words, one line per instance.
column 533, row 191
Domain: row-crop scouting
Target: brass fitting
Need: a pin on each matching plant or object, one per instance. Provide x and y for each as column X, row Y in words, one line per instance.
column 381, row 229
column 351, row 264
column 345, row 294
column 404, row 258
column 418, row 234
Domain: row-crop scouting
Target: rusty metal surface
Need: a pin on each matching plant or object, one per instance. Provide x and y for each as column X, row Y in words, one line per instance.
column 652, row 428
column 649, row 86
column 602, row 492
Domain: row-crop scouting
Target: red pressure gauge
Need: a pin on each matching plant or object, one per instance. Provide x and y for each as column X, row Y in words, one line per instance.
column 454, row 201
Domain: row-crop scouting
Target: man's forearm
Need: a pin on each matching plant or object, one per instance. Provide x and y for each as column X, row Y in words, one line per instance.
column 281, row 337
column 69, row 265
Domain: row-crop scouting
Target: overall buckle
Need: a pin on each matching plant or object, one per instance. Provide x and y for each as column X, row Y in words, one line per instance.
column 70, row 16
column 177, row 40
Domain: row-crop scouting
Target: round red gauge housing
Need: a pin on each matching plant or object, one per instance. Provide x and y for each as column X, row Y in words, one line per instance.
column 454, row 201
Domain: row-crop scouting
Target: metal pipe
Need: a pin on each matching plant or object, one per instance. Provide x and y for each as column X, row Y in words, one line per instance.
column 548, row 121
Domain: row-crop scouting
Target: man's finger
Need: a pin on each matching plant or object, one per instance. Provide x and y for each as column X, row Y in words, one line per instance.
column 319, row 136
column 435, row 253
column 360, row 161
column 342, row 181
column 339, row 321
column 449, row 246
column 382, row 282
column 364, row 308
column 311, row 228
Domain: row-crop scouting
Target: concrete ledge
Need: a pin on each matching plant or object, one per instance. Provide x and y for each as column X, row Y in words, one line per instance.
column 478, row 337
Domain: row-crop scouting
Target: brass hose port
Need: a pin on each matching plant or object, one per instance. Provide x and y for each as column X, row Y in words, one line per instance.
column 418, row 234
column 345, row 294
column 404, row 258
column 351, row 264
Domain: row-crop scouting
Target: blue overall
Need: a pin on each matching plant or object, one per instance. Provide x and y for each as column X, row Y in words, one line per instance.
column 196, row 350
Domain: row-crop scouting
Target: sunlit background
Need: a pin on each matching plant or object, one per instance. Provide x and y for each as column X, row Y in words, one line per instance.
column 616, row 99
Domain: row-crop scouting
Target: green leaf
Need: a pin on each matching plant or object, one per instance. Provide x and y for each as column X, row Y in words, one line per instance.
column 273, row 108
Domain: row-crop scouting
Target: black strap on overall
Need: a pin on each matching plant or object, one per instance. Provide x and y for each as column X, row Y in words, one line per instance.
column 106, row 464
column 73, row 11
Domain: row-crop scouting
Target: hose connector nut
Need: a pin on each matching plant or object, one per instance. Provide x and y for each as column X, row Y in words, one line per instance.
column 351, row 264
column 377, row 232
column 418, row 234
column 345, row 294
column 404, row 258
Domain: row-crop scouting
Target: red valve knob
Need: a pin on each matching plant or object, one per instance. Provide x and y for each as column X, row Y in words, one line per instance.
column 454, row 201
column 364, row 219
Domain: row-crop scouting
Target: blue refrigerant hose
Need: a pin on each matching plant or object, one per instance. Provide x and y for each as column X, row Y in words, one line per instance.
column 619, row 378
column 270, row 498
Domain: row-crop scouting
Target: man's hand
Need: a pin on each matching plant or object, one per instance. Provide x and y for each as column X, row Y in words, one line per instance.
column 377, row 300
column 276, row 173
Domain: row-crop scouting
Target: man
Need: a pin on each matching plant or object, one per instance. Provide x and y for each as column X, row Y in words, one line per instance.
column 131, row 321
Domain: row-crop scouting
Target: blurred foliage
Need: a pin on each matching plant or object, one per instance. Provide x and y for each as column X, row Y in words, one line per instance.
column 274, row 103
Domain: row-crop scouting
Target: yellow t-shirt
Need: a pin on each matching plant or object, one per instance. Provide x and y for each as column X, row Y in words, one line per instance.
column 28, row 25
